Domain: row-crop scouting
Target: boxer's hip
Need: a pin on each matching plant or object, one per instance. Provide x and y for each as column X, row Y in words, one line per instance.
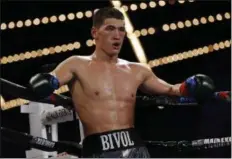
column 111, row 141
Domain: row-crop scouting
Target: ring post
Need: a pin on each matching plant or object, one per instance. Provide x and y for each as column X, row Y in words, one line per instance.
column 34, row 110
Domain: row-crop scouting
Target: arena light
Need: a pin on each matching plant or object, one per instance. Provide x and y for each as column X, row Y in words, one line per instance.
column 193, row 22
column 216, row 46
column 227, row 43
column 79, row 15
column 3, row 26
column 85, row 14
column 71, row 16
column 88, row 14
column 2, row 100
column 180, row 24
column 53, row 19
column 70, row 47
column 36, row 21
column 227, row 15
column 133, row 7
column 161, row 3
column 19, row 24
column 203, row 20
column 116, row 3
column 144, row 32
column 16, row 57
column 188, row 23
column 190, row 53
column 62, row 17
column 137, row 33
column 125, row 8
column 136, row 45
column 11, row 25
column 28, row 22
column 58, row 49
column 221, row 45
column 165, row 27
column 13, row 103
column 143, row 5
column 181, row 1
column 89, row 43
column 219, row 17
column 40, row 52
column 45, row 20
column 152, row 4
column 211, row 18
column 151, row 30
column 173, row 26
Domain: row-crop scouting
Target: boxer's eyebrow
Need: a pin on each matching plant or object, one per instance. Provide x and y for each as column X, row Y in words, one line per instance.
column 110, row 27
column 113, row 27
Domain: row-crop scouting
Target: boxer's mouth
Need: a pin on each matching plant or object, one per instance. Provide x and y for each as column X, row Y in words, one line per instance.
column 116, row 45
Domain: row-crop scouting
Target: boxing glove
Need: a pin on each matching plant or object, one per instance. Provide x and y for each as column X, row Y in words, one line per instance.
column 200, row 87
column 43, row 84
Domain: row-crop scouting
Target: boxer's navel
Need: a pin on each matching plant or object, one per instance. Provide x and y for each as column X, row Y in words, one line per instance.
column 96, row 93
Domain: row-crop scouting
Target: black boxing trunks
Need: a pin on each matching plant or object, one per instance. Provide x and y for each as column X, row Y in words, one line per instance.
column 124, row 143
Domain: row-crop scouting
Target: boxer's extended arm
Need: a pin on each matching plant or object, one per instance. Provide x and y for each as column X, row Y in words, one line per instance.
column 199, row 86
column 154, row 85
column 44, row 84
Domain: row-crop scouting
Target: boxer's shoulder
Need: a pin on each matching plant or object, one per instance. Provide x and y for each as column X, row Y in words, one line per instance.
column 77, row 58
column 139, row 66
column 123, row 62
column 129, row 63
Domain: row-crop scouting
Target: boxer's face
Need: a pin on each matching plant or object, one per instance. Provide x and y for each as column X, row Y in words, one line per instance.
column 110, row 35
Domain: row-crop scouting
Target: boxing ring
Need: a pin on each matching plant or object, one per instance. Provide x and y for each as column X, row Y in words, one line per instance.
column 46, row 114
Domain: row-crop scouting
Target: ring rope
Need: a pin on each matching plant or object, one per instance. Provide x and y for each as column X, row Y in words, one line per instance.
column 199, row 144
column 57, row 99
column 29, row 141
column 75, row 149
column 61, row 114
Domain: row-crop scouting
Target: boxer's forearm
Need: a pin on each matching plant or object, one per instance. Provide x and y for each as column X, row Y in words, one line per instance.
column 175, row 90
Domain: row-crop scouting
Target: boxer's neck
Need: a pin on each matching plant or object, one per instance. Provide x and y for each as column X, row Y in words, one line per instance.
column 101, row 55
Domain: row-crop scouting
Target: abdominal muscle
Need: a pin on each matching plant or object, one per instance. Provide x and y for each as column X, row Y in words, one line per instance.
column 105, row 115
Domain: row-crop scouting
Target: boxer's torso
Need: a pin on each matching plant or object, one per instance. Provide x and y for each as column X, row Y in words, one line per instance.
column 104, row 94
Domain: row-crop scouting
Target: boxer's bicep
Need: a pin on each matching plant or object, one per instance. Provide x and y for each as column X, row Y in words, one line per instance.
column 64, row 72
column 154, row 85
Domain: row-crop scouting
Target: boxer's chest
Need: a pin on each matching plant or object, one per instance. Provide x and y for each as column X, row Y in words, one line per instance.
column 110, row 81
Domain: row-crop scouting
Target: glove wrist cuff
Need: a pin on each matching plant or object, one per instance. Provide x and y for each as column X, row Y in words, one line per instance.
column 183, row 89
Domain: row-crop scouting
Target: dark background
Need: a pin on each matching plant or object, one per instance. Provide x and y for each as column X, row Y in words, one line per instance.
column 184, row 123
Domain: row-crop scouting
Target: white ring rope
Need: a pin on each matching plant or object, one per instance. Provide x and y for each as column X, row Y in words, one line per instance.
column 62, row 114
column 199, row 144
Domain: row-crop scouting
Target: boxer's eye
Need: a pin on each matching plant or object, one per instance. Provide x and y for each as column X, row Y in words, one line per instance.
column 110, row 28
column 122, row 29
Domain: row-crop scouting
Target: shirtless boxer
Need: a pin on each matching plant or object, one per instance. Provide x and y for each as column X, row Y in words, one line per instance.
column 103, row 88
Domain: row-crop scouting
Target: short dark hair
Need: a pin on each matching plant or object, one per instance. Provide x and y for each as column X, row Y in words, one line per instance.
column 104, row 13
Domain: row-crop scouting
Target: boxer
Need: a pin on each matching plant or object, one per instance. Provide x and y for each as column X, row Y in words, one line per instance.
column 103, row 89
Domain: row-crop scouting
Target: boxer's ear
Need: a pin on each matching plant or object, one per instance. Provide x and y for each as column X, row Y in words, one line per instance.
column 94, row 32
